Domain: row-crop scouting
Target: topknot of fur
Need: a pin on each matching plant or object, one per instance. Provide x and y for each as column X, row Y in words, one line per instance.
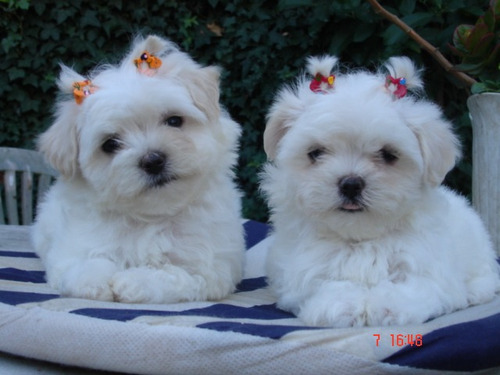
column 403, row 67
column 322, row 65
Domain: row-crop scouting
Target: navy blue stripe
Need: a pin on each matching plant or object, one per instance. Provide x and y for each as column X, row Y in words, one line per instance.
column 268, row 331
column 14, row 274
column 224, row 311
column 17, row 254
column 470, row 346
column 248, row 285
column 16, row 298
column 255, row 232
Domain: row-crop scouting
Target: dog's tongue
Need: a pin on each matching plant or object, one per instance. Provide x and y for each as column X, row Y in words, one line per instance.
column 351, row 206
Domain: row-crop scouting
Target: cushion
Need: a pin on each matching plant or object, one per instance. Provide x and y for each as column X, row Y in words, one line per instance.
column 244, row 333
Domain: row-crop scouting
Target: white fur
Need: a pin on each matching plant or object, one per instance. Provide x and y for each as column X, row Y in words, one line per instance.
column 322, row 65
column 402, row 251
column 107, row 230
column 402, row 66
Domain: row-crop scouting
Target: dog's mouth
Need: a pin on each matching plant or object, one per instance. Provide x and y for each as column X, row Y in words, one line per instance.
column 352, row 207
column 159, row 181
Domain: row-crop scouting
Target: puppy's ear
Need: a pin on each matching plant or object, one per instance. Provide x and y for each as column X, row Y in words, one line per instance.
column 439, row 146
column 203, row 86
column 59, row 143
column 291, row 102
column 280, row 118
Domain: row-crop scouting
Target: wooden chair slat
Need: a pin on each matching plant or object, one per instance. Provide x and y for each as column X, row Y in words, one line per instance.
column 27, row 197
column 10, row 185
column 20, row 170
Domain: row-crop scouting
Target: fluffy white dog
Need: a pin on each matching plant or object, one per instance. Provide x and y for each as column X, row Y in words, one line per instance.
column 146, row 209
column 364, row 234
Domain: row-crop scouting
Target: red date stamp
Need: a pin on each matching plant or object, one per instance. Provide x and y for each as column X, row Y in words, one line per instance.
column 401, row 339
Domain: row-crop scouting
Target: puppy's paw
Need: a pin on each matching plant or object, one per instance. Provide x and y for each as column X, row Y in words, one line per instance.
column 481, row 289
column 89, row 279
column 335, row 305
column 90, row 289
column 130, row 286
column 337, row 314
column 146, row 285
column 386, row 316
column 392, row 307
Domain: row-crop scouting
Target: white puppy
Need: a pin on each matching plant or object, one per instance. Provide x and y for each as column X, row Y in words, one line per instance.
column 146, row 209
column 364, row 234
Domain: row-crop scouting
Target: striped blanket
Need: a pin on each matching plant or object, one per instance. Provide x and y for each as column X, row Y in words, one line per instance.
column 243, row 334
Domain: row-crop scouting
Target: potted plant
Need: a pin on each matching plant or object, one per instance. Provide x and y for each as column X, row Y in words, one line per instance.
column 478, row 46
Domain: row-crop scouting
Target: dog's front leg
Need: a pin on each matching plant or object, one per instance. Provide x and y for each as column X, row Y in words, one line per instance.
column 82, row 278
column 414, row 300
column 335, row 304
column 166, row 285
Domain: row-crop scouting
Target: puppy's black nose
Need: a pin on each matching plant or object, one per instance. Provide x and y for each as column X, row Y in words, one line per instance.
column 153, row 162
column 351, row 186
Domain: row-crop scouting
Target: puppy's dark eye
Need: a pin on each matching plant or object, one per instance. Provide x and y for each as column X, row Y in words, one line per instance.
column 111, row 145
column 315, row 154
column 388, row 155
column 174, row 121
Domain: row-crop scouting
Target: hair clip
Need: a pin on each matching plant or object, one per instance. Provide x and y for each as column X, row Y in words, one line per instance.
column 147, row 63
column 82, row 89
column 396, row 85
column 321, row 84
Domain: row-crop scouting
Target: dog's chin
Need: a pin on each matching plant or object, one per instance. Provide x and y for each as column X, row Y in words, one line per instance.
column 362, row 225
column 146, row 197
column 155, row 202
column 355, row 221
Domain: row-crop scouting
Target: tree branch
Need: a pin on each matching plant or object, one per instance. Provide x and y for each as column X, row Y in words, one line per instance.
column 433, row 51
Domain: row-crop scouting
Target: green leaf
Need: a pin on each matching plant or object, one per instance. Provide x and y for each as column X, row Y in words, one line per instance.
column 476, row 34
column 89, row 18
column 393, row 35
column 478, row 88
column 407, row 7
column 20, row 4
column 286, row 4
column 63, row 14
column 11, row 41
column 495, row 5
column 489, row 19
column 39, row 7
column 493, row 58
column 460, row 36
column 482, row 48
column 15, row 73
column 418, row 19
column 363, row 32
column 471, row 68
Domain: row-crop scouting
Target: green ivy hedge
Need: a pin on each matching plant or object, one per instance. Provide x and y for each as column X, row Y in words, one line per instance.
column 259, row 44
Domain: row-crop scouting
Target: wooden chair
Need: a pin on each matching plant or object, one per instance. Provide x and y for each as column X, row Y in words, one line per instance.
column 28, row 169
